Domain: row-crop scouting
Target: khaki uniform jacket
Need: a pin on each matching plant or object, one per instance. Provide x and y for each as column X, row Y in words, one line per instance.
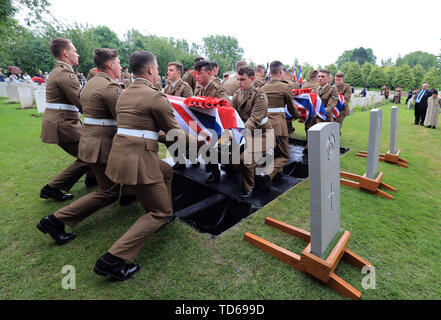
column 216, row 80
column 398, row 92
column 98, row 98
column 259, row 83
column 329, row 96
column 190, row 79
column 127, row 79
column 313, row 85
column 231, row 86
column 92, row 73
column 253, row 109
column 181, row 89
column 61, row 126
column 345, row 90
column 135, row 160
column 279, row 94
column 293, row 84
column 213, row 90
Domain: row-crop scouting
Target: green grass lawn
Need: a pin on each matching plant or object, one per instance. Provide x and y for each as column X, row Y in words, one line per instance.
column 400, row 237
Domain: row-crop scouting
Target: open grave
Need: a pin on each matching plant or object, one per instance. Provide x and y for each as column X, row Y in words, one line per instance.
column 214, row 208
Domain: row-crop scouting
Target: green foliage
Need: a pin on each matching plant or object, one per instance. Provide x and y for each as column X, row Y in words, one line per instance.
column 366, row 71
column 376, row 78
column 404, row 77
column 332, row 68
column 418, row 74
column 224, row 50
column 354, row 76
column 426, row 60
column 432, row 78
column 360, row 55
column 390, row 73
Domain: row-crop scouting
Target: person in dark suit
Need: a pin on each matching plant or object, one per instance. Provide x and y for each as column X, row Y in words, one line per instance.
column 421, row 105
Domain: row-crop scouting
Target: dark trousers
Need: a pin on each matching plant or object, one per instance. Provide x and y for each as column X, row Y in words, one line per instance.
column 420, row 113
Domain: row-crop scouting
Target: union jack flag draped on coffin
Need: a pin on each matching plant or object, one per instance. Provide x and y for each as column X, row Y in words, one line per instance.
column 340, row 106
column 308, row 103
column 207, row 113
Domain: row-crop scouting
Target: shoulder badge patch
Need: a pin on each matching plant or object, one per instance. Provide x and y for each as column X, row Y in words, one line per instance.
column 261, row 96
column 118, row 91
column 72, row 76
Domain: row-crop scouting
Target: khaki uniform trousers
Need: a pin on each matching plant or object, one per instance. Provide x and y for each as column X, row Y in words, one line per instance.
column 281, row 155
column 156, row 200
column 340, row 120
column 107, row 193
column 69, row 176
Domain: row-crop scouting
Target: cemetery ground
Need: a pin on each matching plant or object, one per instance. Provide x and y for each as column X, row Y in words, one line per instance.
column 399, row 237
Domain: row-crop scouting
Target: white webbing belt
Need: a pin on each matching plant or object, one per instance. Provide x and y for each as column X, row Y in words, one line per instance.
column 147, row 134
column 62, row 106
column 274, row 110
column 101, row 122
column 264, row 120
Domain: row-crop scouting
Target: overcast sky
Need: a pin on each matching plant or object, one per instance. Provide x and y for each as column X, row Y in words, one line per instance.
column 317, row 32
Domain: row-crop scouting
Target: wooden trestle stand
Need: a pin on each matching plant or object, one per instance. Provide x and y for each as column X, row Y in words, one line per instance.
column 308, row 263
column 388, row 157
column 364, row 183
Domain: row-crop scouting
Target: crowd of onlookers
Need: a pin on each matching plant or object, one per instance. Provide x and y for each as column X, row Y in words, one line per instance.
column 39, row 78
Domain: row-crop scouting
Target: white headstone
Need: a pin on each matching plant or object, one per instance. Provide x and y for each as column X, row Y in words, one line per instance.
column 375, row 125
column 324, row 184
column 3, row 91
column 26, row 95
column 12, row 89
column 393, row 129
column 40, row 100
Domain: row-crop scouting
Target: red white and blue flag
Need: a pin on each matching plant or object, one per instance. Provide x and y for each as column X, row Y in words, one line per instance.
column 293, row 75
column 299, row 76
column 340, row 106
column 309, row 105
column 199, row 121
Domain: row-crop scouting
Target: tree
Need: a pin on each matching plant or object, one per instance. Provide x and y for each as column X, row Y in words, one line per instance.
column 376, row 77
column 366, row 71
column 360, row 55
column 426, row 60
column 404, row 77
column 106, row 38
column 224, row 50
column 390, row 73
column 431, row 78
column 332, row 68
column 354, row 76
column 418, row 74
column 345, row 67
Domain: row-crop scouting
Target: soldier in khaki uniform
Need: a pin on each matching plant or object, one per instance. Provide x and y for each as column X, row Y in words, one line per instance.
column 61, row 123
column 345, row 90
column 127, row 78
column 327, row 93
column 252, row 105
column 92, row 72
column 207, row 88
column 190, row 76
column 383, row 89
column 397, row 96
column 231, row 86
column 98, row 99
column 142, row 111
column 386, row 93
column 312, row 83
column 260, row 76
column 215, row 71
column 177, row 87
column 279, row 94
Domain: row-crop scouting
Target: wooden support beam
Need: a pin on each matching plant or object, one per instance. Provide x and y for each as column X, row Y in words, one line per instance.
column 338, row 251
column 280, row 253
column 296, row 232
column 339, row 285
column 355, row 260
